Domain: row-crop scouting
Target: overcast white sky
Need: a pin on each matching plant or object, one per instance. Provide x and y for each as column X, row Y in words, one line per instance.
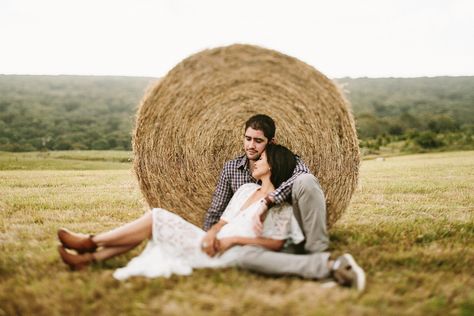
column 373, row 38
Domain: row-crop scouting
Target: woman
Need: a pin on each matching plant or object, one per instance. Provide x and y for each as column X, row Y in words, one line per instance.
column 176, row 246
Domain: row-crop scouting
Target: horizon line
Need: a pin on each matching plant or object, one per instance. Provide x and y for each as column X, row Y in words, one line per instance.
column 156, row 77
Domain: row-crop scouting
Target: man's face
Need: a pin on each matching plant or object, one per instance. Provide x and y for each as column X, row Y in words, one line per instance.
column 254, row 143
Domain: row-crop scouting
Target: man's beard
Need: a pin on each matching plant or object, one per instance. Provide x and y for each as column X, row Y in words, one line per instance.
column 254, row 159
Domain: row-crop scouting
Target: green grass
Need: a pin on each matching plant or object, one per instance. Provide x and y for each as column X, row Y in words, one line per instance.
column 410, row 225
column 66, row 160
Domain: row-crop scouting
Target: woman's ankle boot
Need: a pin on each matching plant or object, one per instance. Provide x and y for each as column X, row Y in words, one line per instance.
column 75, row 262
column 79, row 242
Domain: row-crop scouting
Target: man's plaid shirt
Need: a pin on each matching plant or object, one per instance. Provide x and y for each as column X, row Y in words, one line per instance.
column 236, row 172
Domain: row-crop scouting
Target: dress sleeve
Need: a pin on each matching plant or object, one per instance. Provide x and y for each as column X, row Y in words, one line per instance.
column 282, row 224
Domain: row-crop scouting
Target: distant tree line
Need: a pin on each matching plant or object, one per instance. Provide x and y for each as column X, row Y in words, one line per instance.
column 420, row 113
column 81, row 112
column 68, row 112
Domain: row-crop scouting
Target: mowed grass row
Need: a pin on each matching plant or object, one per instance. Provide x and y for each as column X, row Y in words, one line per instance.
column 66, row 160
column 410, row 225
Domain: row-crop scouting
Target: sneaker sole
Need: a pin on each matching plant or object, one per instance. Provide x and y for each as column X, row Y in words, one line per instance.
column 360, row 274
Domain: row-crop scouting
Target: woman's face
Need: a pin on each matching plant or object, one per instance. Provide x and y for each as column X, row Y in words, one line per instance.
column 261, row 168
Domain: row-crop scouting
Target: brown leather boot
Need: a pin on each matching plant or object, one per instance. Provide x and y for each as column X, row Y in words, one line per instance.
column 79, row 242
column 75, row 262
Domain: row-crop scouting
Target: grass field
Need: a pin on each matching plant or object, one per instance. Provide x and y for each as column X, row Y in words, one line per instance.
column 410, row 225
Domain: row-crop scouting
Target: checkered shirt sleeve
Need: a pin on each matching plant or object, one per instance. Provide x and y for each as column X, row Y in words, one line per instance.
column 220, row 198
column 283, row 192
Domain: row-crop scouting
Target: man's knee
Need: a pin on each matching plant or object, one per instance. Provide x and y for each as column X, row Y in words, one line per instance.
column 304, row 183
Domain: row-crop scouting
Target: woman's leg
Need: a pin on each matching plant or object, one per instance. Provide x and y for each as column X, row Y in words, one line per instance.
column 109, row 252
column 80, row 261
column 128, row 235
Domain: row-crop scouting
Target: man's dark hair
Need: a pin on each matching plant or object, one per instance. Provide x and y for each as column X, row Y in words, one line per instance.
column 282, row 162
column 262, row 122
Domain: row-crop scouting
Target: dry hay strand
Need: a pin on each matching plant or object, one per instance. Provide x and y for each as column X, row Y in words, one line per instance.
column 192, row 121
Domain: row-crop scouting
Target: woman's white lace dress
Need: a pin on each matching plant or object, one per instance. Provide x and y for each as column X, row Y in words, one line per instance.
column 175, row 246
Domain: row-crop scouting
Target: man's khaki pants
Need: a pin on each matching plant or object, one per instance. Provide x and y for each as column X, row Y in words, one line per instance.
column 309, row 207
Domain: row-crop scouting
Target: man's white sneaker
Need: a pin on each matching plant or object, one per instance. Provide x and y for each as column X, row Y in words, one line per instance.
column 347, row 272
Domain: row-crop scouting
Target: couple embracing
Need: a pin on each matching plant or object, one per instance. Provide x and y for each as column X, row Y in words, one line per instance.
column 268, row 215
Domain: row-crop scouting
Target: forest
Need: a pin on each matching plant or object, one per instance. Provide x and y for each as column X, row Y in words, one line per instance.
column 41, row 113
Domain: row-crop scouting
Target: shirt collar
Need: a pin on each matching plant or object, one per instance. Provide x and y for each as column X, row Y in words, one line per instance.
column 243, row 162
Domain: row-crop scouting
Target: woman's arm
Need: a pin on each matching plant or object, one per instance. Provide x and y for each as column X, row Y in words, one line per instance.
column 216, row 228
column 209, row 244
column 272, row 244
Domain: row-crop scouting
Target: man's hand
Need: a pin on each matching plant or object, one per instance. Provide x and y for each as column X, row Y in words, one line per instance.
column 209, row 244
column 257, row 220
column 224, row 244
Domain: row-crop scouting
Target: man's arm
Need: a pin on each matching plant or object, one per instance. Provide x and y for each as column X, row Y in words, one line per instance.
column 269, row 243
column 220, row 199
column 280, row 195
column 283, row 192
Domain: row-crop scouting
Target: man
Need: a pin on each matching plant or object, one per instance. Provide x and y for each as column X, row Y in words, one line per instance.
column 309, row 207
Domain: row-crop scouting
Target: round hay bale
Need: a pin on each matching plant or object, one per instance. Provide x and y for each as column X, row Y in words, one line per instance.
column 192, row 121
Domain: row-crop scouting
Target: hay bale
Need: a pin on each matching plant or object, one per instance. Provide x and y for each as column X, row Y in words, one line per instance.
column 192, row 121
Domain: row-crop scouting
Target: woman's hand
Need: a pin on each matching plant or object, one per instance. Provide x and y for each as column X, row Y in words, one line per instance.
column 258, row 218
column 209, row 244
column 224, row 244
